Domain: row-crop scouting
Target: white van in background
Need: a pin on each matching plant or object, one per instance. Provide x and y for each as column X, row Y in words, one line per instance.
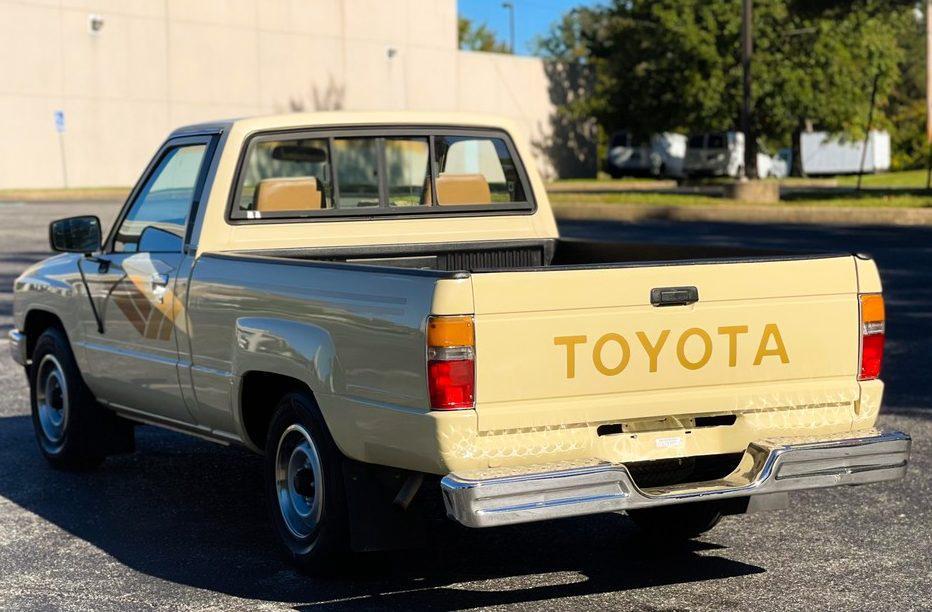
column 662, row 155
column 722, row 154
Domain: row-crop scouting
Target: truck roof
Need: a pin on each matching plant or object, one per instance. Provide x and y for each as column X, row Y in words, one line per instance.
column 351, row 118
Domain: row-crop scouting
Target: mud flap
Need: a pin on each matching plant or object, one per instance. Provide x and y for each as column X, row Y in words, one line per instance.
column 375, row 522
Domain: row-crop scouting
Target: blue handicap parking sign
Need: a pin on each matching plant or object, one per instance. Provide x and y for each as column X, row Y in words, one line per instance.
column 60, row 121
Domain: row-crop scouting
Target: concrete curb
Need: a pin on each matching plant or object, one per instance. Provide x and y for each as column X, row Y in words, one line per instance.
column 727, row 213
column 609, row 186
column 38, row 196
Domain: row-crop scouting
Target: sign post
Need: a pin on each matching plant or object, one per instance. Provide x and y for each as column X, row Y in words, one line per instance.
column 60, row 128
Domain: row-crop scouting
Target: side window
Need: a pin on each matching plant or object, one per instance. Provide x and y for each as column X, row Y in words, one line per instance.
column 164, row 201
column 476, row 170
column 286, row 176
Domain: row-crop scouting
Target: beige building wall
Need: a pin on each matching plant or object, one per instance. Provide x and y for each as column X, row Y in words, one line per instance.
column 158, row 64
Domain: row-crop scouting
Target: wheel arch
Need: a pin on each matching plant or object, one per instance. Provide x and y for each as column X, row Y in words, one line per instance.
column 273, row 357
column 38, row 320
column 259, row 392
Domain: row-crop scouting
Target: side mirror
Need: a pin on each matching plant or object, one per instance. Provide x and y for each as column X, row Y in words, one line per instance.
column 75, row 234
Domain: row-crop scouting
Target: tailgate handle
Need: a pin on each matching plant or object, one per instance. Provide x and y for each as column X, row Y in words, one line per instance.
column 674, row 296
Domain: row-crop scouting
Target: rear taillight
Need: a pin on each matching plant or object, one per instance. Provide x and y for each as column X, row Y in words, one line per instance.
column 451, row 356
column 872, row 335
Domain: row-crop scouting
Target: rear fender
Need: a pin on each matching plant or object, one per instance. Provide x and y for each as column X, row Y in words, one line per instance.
column 290, row 348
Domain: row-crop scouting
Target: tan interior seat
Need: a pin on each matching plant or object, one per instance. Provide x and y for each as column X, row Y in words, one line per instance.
column 457, row 189
column 288, row 194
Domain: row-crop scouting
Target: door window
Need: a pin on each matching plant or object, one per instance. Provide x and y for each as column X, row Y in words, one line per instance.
column 164, row 202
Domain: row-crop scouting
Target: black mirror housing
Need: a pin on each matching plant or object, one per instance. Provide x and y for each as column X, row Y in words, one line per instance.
column 75, row 234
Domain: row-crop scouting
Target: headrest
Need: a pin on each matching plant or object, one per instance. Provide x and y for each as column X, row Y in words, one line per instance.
column 456, row 189
column 288, row 194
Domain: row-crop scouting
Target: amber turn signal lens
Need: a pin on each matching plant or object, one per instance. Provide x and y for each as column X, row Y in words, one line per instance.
column 449, row 331
column 872, row 310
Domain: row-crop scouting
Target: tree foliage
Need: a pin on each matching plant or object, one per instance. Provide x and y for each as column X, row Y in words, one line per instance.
column 663, row 65
column 478, row 37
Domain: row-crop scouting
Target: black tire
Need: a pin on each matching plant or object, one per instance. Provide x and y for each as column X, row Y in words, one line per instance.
column 680, row 521
column 298, row 431
column 66, row 418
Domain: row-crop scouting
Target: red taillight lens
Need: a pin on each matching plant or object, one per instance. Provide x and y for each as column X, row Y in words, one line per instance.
column 452, row 384
column 871, row 356
column 451, row 370
column 872, row 336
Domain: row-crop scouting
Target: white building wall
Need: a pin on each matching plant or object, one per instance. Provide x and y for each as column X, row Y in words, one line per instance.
column 158, row 64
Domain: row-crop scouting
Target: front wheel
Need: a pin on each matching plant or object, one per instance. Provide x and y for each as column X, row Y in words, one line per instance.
column 66, row 418
column 304, row 485
column 681, row 521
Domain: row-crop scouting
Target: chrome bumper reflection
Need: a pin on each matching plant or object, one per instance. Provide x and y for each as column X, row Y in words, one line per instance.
column 500, row 496
column 18, row 346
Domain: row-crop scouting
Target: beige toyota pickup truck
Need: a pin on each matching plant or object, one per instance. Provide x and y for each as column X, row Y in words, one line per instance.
column 382, row 306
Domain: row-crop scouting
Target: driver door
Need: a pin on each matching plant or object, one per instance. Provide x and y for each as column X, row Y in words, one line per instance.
column 133, row 363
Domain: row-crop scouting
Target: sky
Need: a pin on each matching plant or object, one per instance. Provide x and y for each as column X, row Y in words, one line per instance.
column 533, row 18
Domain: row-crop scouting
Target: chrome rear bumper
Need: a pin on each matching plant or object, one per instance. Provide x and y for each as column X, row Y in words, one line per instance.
column 501, row 496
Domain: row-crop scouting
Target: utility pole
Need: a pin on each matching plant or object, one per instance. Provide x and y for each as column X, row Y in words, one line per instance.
column 511, row 21
column 867, row 132
column 747, row 46
column 929, row 90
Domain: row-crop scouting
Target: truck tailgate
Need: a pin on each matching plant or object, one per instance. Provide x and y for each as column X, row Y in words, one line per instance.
column 560, row 347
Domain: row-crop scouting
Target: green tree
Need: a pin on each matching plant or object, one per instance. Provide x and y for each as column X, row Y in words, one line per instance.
column 675, row 65
column 907, row 102
column 478, row 37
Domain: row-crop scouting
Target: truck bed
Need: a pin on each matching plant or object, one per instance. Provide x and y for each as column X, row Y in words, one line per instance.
column 531, row 254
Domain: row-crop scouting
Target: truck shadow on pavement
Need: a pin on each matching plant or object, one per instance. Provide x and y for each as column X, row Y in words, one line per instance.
column 191, row 513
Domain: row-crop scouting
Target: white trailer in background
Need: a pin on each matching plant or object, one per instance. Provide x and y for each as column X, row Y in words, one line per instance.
column 824, row 153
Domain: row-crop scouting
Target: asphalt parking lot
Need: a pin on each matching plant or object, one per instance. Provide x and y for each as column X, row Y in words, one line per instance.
column 180, row 524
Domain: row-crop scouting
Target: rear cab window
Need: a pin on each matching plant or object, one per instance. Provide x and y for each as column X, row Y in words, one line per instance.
column 364, row 173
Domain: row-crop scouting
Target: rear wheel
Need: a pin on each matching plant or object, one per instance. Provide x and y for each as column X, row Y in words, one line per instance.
column 681, row 521
column 304, row 485
column 66, row 418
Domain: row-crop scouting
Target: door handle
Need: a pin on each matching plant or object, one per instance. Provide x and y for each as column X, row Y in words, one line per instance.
column 159, row 286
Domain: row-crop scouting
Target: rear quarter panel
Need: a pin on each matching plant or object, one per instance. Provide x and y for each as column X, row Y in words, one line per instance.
column 353, row 334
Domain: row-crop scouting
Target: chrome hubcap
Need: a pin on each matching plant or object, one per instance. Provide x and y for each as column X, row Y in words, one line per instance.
column 299, row 483
column 52, row 400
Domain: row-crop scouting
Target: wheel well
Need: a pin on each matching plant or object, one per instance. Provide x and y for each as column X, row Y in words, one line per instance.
column 259, row 392
column 37, row 321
